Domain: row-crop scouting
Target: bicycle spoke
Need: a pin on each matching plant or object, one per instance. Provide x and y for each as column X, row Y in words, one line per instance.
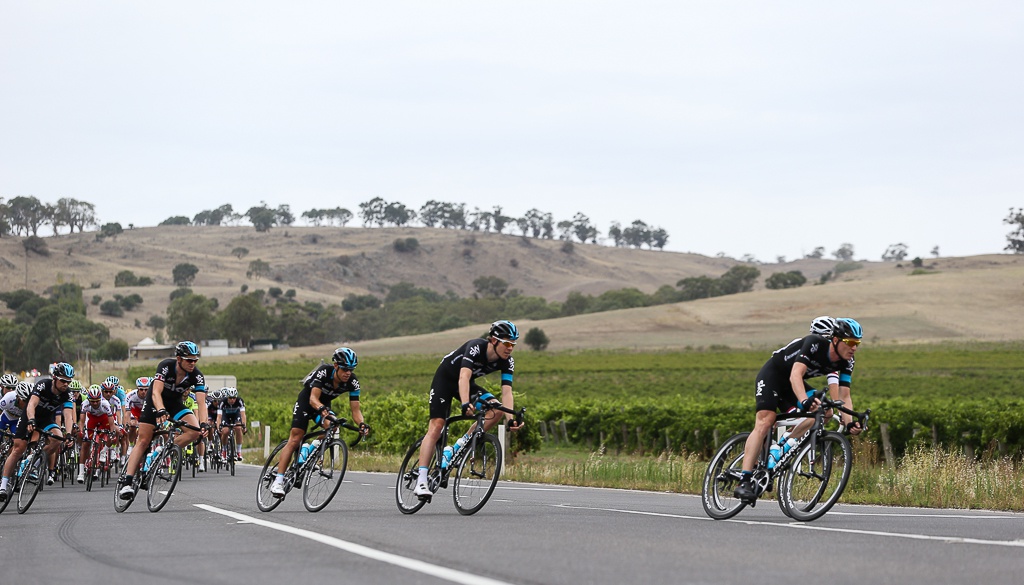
column 324, row 475
column 478, row 473
column 818, row 477
column 722, row 477
column 408, row 474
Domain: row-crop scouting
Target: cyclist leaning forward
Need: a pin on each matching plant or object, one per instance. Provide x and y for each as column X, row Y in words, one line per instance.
column 321, row 386
column 781, row 385
column 174, row 379
column 454, row 379
column 49, row 400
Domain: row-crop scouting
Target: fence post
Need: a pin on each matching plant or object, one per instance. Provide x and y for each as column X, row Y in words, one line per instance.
column 565, row 433
column 503, row 442
column 266, row 442
column 714, row 435
column 890, row 461
column 543, row 430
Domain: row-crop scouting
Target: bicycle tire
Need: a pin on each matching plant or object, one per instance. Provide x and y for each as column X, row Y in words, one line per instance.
column 164, row 473
column 231, row 451
column 477, row 474
column 408, row 475
column 324, row 474
column 122, row 505
column 722, row 477
column 266, row 501
column 61, row 458
column 819, row 474
column 28, row 493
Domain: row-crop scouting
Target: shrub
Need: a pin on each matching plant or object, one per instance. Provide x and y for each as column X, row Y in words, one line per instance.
column 406, row 244
column 114, row 349
column 792, row 279
column 847, row 266
column 96, row 299
column 536, row 339
column 111, row 308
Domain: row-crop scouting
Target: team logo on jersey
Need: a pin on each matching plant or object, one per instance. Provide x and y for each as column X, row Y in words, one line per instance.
column 814, row 348
column 473, row 351
column 760, row 387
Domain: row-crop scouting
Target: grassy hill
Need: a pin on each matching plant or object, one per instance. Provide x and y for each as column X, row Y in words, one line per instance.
column 974, row 298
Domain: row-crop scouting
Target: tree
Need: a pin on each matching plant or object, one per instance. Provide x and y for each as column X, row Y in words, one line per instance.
column 243, row 319
column 490, row 286
column 26, row 215
column 372, row 211
column 738, row 279
column 257, row 269
column 35, row 244
column 818, row 252
column 637, row 234
column 191, row 317
column 340, row 215
column 398, row 214
column 176, row 220
column 262, row 217
column 156, row 323
column 240, row 252
column 935, row 251
column 895, row 253
column 844, row 253
column 659, row 237
column 791, row 279
column 184, row 273
column 111, row 230
column 111, row 308
column 283, row 215
column 500, row 221
column 583, row 229
column 536, row 339
column 214, row 216
column 615, row 233
column 113, row 349
column 1015, row 239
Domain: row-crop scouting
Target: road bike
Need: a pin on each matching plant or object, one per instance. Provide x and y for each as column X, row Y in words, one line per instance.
column 811, row 475
column 99, row 463
column 477, row 465
column 160, row 471
column 230, row 446
column 319, row 475
column 32, row 473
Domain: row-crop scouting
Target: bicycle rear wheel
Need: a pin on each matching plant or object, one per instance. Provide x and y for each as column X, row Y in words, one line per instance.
column 266, row 501
column 818, row 476
column 324, row 475
column 477, row 474
column 36, row 467
column 164, row 473
column 408, row 474
column 722, row 477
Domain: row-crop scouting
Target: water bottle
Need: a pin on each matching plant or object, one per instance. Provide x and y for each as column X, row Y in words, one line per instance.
column 446, row 457
column 149, row 460
column 788, row 445
column 304, row 452
column 774, row 454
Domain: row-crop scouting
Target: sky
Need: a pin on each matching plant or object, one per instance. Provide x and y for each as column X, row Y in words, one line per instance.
column 741, row 128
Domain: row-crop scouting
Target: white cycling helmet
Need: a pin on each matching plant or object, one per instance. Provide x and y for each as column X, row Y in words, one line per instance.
column 9, row 381
column 24, row 390
column 823, row 326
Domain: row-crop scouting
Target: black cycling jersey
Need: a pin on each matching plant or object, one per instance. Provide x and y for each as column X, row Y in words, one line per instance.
column 444, row 389
column 50, row 401
column 323, row 378
column 774, row 391
column 174, row 393
column 231, row 413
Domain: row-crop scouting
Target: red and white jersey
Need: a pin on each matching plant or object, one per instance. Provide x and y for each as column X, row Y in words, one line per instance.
column 134, row 403
column 115, row 403
column 102, row 409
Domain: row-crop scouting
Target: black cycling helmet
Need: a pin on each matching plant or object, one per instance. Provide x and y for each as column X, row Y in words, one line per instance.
column 848, row 329
column 63, row 370
column 186, row 349
column 345, row 358
column 504, row 329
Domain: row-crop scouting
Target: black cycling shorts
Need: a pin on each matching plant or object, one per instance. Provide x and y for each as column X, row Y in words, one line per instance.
column 44, row 420
column 444, row 393
column 773, row 392
column 303, row 413
column 173, row 404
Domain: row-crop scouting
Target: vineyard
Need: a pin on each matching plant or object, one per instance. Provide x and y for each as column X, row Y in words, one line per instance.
column 969, row 397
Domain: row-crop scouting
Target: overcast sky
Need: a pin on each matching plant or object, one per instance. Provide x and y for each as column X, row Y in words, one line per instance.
column 740, row 127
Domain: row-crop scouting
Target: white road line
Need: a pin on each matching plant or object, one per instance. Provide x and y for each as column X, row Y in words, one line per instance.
column 532, row 489
column 802, row 526
column 358, row 549
column 905, row 515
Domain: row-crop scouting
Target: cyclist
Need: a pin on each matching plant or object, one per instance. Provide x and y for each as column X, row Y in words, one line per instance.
column 134, row 402
column 49, row 399
column 97, row 413
column 454, row 379
column 8, row 382
column 12, row 405
column 780, row 384
column 173, row 380
column 320, row 387
column 116, row 397
column 232, row 412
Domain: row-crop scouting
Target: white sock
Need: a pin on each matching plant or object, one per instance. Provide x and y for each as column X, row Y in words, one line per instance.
column 463, row 440
column 3, row 483
column 423, row 475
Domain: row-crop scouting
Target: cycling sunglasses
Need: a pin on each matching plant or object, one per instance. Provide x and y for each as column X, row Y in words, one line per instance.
column 507, row 343
column 191, row 360
column 851, row 342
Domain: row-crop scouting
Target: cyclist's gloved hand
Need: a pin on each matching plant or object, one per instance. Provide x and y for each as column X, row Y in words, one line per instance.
column 809, row 403
column 465, row 407
column 854, row 427
column 364, row 429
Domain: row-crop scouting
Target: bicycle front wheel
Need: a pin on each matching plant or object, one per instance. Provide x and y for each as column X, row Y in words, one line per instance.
column 478, row 473
column 231, row 452
column 818, row 476
column 164, row 473
column 32, row 479
column 265, row 500
column 408, row 474
column 722, row 477
column 324, row 475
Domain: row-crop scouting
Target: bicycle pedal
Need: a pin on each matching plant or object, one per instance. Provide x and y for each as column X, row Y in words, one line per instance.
column 425, row 498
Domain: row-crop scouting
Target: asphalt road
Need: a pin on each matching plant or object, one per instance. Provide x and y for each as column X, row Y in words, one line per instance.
column 212, row 532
